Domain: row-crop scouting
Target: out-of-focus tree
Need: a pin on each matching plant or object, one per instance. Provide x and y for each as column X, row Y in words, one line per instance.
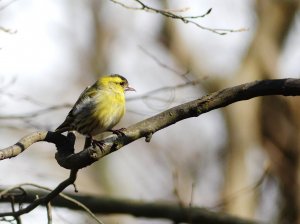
column 266, row 124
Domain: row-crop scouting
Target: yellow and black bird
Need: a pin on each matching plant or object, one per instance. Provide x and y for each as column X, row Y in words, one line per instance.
column 99, row 107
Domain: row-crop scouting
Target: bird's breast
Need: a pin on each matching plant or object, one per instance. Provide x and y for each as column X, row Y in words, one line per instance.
column 109, row 109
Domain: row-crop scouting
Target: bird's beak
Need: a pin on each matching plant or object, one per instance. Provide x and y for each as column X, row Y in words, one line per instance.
column 128, row 88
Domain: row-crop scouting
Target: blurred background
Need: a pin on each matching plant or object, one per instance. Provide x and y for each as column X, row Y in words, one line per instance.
column 243, row 159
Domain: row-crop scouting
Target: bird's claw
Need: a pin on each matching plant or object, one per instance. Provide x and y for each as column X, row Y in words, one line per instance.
column 119, row 132
column 100, row 144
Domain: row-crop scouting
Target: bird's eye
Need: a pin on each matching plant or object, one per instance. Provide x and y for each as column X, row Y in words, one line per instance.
column 122, row 83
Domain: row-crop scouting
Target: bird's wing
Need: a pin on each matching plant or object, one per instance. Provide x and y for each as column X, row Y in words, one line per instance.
column 80, row 98
column 84, row 99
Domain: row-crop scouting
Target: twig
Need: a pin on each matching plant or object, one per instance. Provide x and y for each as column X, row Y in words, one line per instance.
column 9, row 31
column 21, row 145
column 79, row 204
column 46, row 199
column 192, row 195
column 6, row 5
column 25, row 98
column 35, row 113
column 163, row 65
column 165, row 88
column 250, row 188
column 4, row 87
column 49, row 212
column 185, row 19
column 9, row 83
column 12, row 202
column 176, row 188
column 65, row 196
column 165, row 12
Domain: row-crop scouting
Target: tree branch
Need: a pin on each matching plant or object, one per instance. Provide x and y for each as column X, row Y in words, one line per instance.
column 185, row 19
column 28, row 196
column 35, row 113
column 159, row 210
column 66, row 157
column 44, row 200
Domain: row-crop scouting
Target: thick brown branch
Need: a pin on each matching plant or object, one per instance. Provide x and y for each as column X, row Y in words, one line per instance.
column 65, row 145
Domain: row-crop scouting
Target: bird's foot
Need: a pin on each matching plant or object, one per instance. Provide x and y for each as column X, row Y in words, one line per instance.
column 100, row 144
column 88, row 142
column 118, row 132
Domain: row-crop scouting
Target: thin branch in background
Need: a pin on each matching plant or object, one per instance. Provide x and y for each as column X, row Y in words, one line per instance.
column 25, row 98
column 8, row 83
column 9, row 31
column 192, row 195
column 16, row 127
column 190, row 205
column 181, row 10
column 175, row 176
column 151, row 95
column 6, row 5
column 146, row 96
column 4, row 92
column 138, row 112
column 7, row 220
column 163, row 65
column 167, row 102
column 245, row 190
column 12, row 203
column 185, row 19
column 176, row 192
column 66, row 197
column 49, row 212
column 165, row 88
column 79, row 204
column 36, row 113
column 12, row 198
column 161, row 11
column 44, row 200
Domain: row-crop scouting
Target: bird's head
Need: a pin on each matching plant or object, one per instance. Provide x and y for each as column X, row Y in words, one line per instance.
column 115, row 82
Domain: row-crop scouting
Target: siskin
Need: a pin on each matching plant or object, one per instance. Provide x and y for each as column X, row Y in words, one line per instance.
column 99, row 107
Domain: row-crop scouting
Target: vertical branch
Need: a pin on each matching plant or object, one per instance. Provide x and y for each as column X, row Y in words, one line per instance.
column 49, row 212
column 12, row 202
